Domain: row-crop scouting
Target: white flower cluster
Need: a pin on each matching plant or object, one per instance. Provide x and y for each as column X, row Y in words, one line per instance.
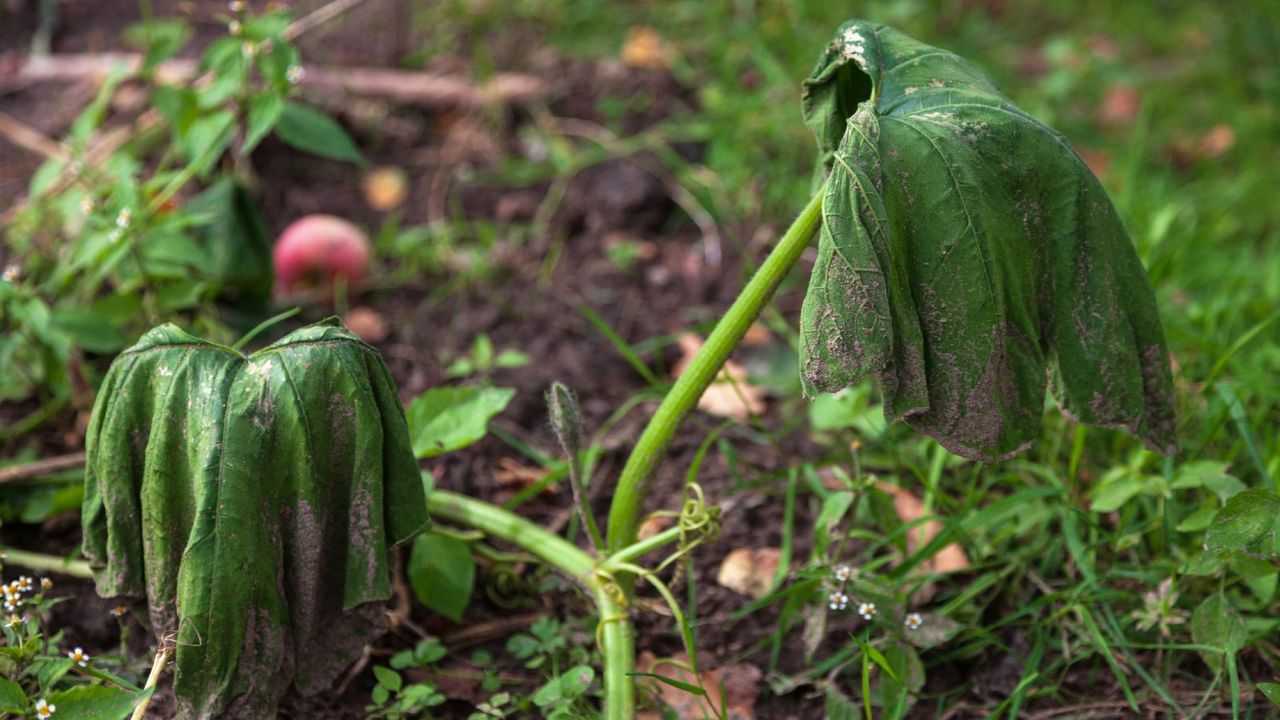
column 13, row 592
column 839, row 599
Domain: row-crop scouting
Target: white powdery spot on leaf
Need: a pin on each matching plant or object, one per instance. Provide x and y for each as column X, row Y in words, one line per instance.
column 853, row 46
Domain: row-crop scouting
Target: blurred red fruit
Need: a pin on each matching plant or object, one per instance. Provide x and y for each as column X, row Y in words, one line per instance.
column 317, row 249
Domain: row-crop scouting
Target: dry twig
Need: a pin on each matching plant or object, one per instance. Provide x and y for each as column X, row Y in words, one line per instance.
column 43, row 466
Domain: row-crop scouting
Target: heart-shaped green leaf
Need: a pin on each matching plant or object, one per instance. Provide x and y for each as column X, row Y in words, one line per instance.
column 249, row 503
column 967, row 254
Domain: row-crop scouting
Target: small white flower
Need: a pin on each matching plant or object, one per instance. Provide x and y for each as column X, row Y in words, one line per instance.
column 234, row 27
column 3, row 555
column 11, row 272
column 913, row 621
column 249, row 49
column 24, row 583
column 838, row 601
column 44, row 709
column 124, row 218
column 46, row 584
column 295, row 74
column 79, row 657
column 117, row 611
column 236, row 6
column 10, row 604
column 86, row 204
column 842, row 573
column 867, row 610
column 12, row 621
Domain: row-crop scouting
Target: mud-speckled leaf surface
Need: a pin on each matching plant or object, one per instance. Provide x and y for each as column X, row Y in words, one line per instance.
column 970, row 258
column 248, row 504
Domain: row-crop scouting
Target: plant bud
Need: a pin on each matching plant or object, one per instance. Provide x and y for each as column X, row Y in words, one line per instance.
column 566, row 418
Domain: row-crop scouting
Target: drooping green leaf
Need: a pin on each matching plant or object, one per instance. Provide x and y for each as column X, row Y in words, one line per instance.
column 445, row 419
column 1272, row 691
column 249, row 503
column 967, row 256
column 442, row 574
column 309, row 130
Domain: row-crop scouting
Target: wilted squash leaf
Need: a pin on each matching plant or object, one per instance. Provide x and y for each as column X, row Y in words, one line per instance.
column 248, row 504
column 967, row 256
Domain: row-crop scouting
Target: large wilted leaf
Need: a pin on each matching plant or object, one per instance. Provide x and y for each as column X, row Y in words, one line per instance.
column 248, row 504
column 966, row 256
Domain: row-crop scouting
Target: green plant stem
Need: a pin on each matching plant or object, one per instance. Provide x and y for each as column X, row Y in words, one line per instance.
column 494, row 521
column 280, row 317
column 618, row 646
column 617, row 638
column 633, row 551
column 649, row 452
column 50, row 563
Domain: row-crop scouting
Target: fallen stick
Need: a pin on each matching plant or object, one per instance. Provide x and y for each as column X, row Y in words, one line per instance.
column 28, row 138
column 46, row 466
column 422, row 89
column 157, row 667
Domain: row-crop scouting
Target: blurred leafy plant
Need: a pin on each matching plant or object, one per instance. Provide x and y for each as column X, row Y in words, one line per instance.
column 105, row 246
column 483, row 360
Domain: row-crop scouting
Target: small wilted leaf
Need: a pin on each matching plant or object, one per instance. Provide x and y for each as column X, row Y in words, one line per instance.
column 1248, row 523
column 967, row 255
column 1216, row 623
column 932, row 631
column 249, row 503
column 749, row 571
